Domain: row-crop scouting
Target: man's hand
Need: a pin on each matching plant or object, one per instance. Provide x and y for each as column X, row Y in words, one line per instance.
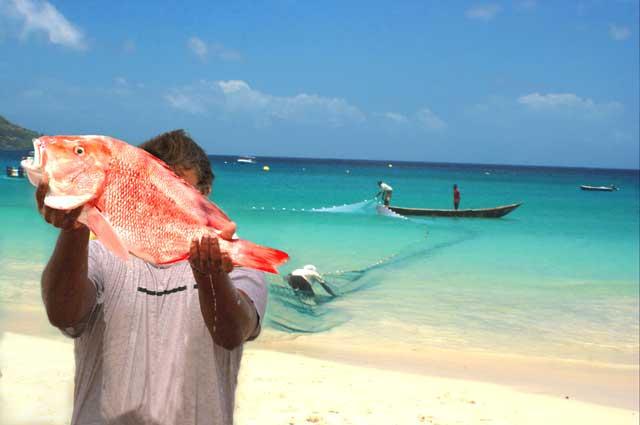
column 66, row 291
column 206, row 259
column 228, row 313
column 65, row 220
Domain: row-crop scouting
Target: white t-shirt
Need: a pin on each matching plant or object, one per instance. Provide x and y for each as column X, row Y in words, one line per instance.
column 145, row 356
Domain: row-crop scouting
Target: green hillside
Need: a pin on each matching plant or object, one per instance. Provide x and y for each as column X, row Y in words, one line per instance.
column 13, row 137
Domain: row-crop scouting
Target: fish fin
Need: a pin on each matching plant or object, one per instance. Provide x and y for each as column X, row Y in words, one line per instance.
column 60, row 202
column 253, row 256
column 99, row 224
column 216, row 218
column 174, row 260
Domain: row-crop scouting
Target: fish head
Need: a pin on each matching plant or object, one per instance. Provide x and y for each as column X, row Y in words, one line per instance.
column 75, row 167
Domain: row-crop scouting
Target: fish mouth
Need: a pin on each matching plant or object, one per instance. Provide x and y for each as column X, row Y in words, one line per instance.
column 35, row 162
column 34, row 166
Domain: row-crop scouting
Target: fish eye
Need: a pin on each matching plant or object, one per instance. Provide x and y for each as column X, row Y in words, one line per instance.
column 78, row 150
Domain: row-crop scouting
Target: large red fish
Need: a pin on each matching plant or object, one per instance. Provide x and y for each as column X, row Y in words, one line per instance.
column 133, row 202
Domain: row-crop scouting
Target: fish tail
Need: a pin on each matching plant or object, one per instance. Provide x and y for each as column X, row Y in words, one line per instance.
column 248, row 254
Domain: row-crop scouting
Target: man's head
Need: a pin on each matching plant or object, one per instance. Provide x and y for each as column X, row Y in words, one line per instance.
column 380, row 183
column 455, row 186
column 184, row 156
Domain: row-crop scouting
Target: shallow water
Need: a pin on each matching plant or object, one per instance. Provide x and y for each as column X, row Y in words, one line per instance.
column 557, row 277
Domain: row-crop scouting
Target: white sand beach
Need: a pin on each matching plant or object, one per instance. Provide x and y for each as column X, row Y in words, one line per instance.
column 292, row 388
column 36, row 387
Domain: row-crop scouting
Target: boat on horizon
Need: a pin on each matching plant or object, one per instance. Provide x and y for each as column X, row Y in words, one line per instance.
column 246, row 160
column 495, row 212
column 17, row 171
column 13, row 171
column 609, row 188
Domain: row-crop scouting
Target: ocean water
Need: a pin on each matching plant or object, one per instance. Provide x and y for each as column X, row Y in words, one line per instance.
column 558, row 277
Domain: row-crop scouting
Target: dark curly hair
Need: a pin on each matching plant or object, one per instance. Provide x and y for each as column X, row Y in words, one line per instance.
column 179, row 151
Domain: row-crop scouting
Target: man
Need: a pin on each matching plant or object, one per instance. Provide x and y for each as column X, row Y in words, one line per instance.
column 385, row 192
column 456, row 197
column 153, row 344
column 301, row 279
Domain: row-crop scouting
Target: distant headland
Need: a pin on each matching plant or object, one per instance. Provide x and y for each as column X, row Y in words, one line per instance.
column 14, row 138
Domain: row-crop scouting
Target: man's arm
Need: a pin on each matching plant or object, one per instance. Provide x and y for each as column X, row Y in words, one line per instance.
column 67, row 293
column 228, row 312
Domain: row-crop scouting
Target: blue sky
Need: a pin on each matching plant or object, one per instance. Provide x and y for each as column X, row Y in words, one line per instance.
column 515, row 82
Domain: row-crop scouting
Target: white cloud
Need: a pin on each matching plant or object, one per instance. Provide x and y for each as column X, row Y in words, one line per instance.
column 484, row 12
column 124, row 87
column 42, row 16
column 185, row 102
column 567, row 101
column 216, row 50
column 619, row 33
column 429, row 120
column 396, row 117
column 237, row 98
column 198, row 47
column 423, row 119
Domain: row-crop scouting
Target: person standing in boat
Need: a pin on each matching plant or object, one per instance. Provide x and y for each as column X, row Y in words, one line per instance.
column 385, row 192
column 456, row 197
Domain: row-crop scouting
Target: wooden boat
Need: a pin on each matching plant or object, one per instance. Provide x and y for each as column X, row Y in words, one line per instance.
column 475, row 213
column 599, row 188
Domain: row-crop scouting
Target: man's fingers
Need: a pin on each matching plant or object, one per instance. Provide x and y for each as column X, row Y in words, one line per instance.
column 75, row 213
column 57, row 218
column 193, row 251
column 227, row 264
column 204, row 254
column 228, row 231
column 214, row 254
column 206, row 258
column 196, row 250
column 41, row 192
column 48, row 214
column 194, row 259
column 70, row 217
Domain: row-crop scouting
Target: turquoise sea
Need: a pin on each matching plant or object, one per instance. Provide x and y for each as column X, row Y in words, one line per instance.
column 558, row 277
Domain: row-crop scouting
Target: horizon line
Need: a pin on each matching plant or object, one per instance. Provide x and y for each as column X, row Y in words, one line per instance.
column 404, row 161
column 393, row 161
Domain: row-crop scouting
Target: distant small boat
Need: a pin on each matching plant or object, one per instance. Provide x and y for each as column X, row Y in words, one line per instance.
column 14, row 171
column 246, row 160
column 18, row 171
column 599, row 188
column 474, row 213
